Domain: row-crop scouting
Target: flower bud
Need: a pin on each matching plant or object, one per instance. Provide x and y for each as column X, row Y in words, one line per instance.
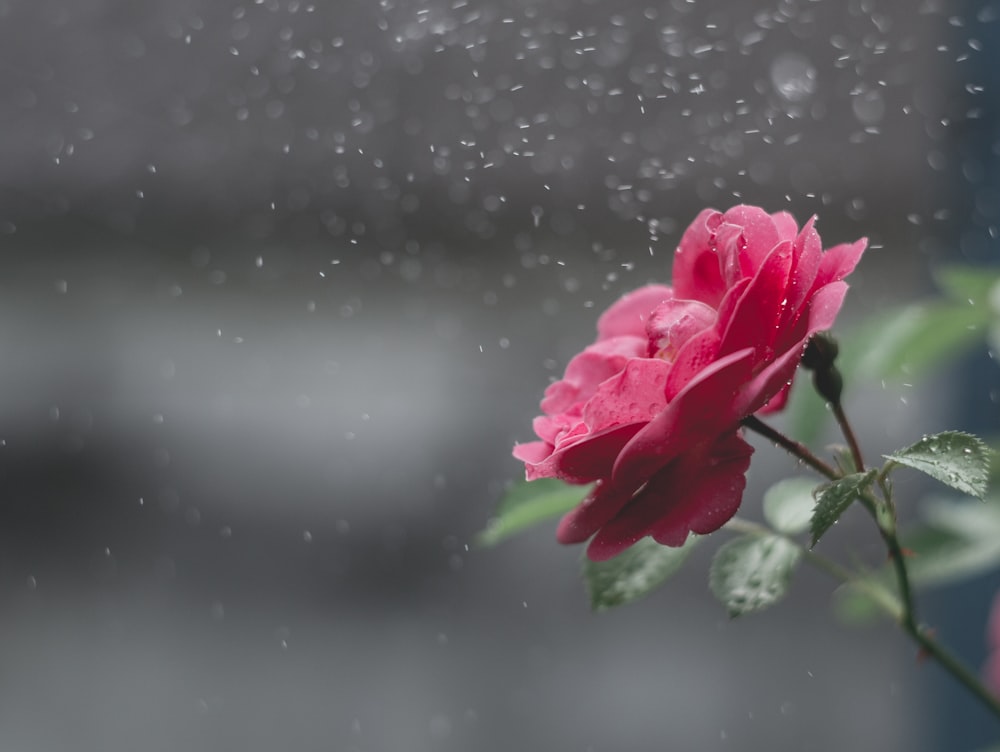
column 821, row 352
column 829, row 383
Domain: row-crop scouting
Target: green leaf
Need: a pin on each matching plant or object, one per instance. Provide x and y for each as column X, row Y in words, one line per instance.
column 527, row 504
column 853, row 605
column 788, row 505
column 961, row 539
column 863, row 600
column 956, row 459
column 752, row 572
column 909, row 340
column 952, row 559
column 634, row 573
column 967, row 283
column 966, row 519
column 834, row 499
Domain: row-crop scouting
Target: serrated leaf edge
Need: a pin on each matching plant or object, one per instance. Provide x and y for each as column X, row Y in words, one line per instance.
column 980, row 486
column 861, row 481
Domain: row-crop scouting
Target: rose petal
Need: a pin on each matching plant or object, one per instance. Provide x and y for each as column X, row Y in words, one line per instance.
column 697, row 492
column 585, row 372
column 755, row 321
column 778, row 402
column 701, row 351
column 601, row 505
column 591, row 457
column 838, row 262
column 673, row 323
column 701, row 411
column 714, row 495
column 696, row 266
column 763, row 387
column 823, row 309
column 808, row 251
column 550, row 429
column 634, row 395
column 757, row 236
column 532, row 452
column 729, row 245
column 629, row 314
column 683, row 423
column 786, row 225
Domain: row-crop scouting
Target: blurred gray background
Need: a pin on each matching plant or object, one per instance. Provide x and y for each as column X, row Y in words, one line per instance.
column 281, row 283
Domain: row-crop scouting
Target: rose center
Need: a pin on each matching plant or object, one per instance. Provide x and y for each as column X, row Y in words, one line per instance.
column 673, row 323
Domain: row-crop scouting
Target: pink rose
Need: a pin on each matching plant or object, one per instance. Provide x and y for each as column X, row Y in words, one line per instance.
column 651, row 411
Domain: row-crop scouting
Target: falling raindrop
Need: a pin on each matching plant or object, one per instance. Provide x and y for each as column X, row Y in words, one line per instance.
column 868, row 106
column 793, row 77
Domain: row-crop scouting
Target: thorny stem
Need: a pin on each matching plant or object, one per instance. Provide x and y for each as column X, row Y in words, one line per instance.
column 792, row 447
column 907, row 617
column 852, row 441
column 955, row 667
column 885, row 520
column 883, row 512
column 888, row 603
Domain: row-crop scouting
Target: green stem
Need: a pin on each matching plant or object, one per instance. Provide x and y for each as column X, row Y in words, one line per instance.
column 889, row 604
column 884, row 514
column 848, row 432
column 923, row 636
column 956, row 668
column 885, row 521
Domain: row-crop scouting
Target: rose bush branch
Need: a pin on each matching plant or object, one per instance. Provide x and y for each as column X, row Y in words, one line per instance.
column 955, row 667
column 796, row 449
column 888, row 604
column 903, row 609
column 820, row 357
column 883, row 511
